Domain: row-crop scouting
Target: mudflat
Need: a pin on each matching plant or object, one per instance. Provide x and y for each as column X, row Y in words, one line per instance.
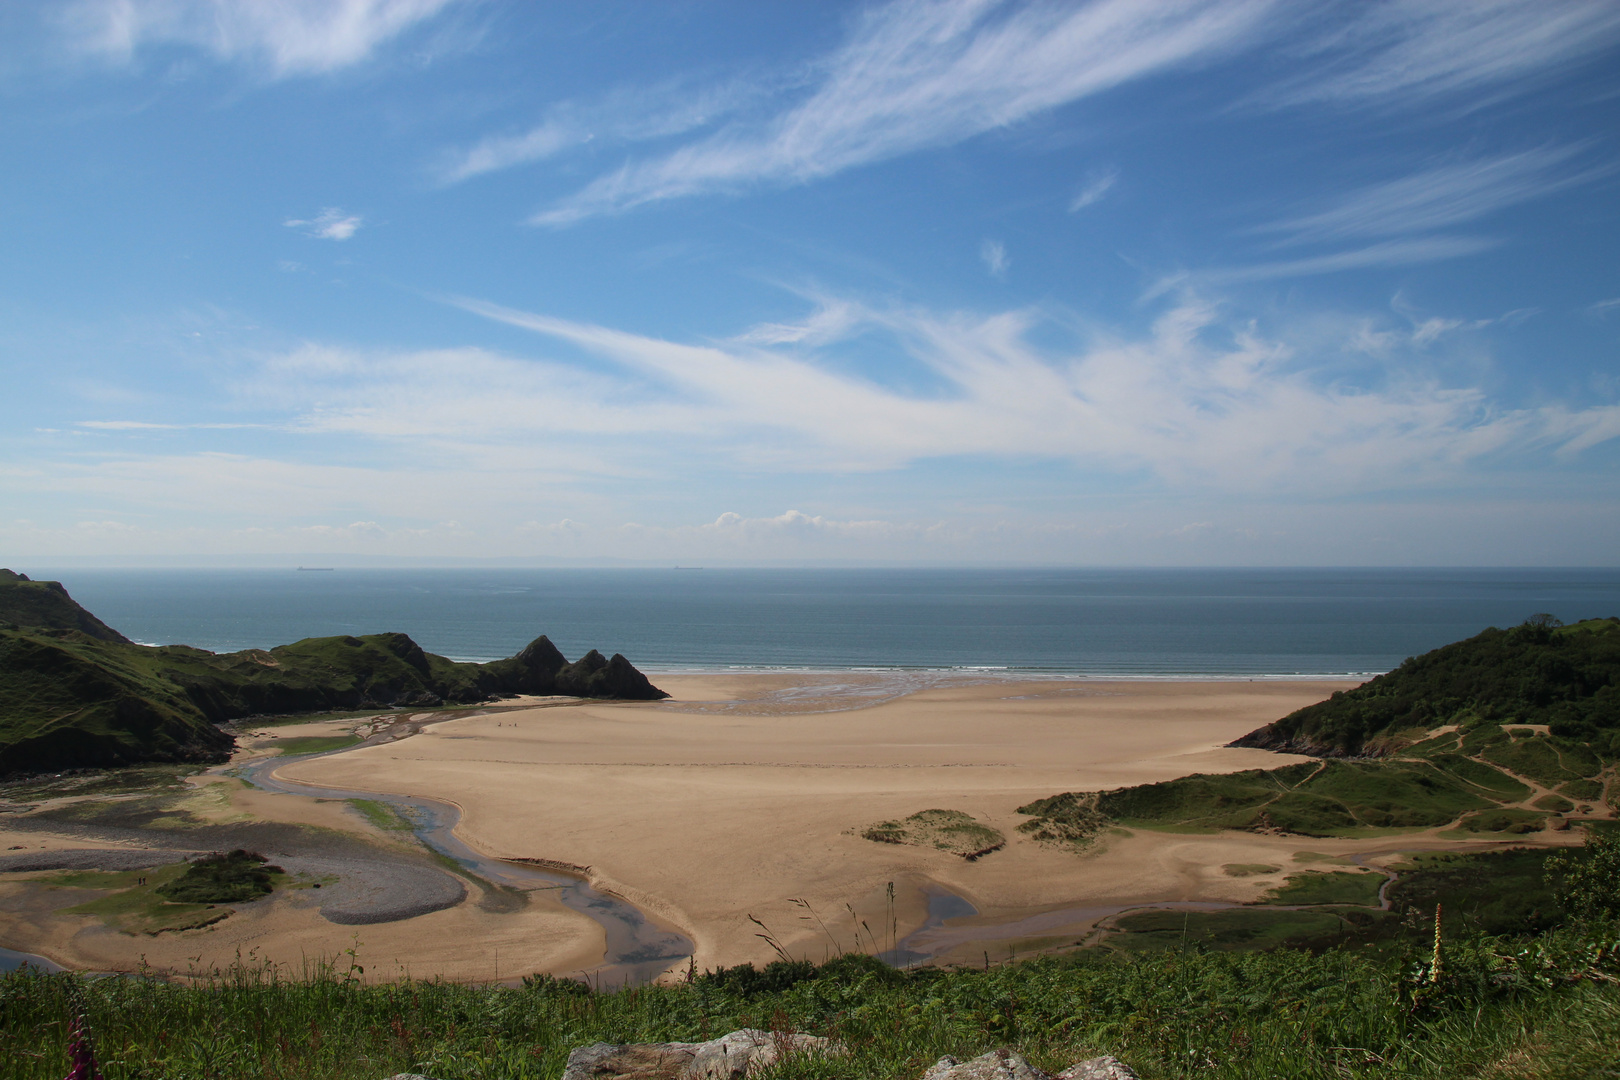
column 77, row 875
column 747, row 797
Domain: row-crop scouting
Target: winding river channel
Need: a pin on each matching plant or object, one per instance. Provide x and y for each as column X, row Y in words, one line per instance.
column 638, row 949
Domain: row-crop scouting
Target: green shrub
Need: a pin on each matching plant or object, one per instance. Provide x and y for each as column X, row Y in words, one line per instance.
column 745, row 981
column 1590, row 885
column 222, row 879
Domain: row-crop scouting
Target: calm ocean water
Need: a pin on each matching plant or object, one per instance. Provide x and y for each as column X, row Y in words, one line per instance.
column 1096, row 622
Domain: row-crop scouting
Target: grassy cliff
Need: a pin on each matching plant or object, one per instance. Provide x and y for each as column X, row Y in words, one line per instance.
column 75, row 693
column 46, row 605
column 68, row 700
column 1567, row 677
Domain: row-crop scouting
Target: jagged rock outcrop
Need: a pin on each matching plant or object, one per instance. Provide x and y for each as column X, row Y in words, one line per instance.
column 592, row 676
column 542, row 669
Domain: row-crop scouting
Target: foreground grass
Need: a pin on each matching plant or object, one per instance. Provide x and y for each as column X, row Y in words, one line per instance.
column 1543, row 1007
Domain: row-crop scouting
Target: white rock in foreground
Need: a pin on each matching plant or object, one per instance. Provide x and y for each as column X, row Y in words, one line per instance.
column 729, row 1057
column 733, row 1056
column 1006, row 1065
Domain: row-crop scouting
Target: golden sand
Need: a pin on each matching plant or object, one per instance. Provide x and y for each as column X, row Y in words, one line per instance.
column 728, row 802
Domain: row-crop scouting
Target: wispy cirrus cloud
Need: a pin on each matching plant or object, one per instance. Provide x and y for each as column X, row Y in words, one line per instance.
column 1396, row 222
column 1399, row 53
column 832, row 320
column 917, row 75
column 1202, row 406
column 657, row 112
column 1097, row 185
column 330, row 224
column 288, row 37
column 1439, row 197
column 1198, row 400
column 994, row 254
column 1388, row 253
column 496, row 152
column 142, row 425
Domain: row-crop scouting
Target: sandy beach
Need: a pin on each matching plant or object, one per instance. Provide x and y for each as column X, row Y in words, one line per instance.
column 732, row 812
column 744, row 794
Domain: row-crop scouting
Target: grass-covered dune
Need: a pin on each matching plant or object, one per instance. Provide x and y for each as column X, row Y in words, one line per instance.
column 1540, row 672
column 1478, row 779
column 74, row 693
column 1331, row 799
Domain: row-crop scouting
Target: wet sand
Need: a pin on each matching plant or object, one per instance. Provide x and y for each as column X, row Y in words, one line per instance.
column 450, row 929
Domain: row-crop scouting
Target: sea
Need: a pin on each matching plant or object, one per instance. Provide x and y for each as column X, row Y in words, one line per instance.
column 1143, row 623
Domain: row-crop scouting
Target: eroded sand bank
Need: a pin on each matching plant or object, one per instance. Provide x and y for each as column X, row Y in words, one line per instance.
column 742, row 795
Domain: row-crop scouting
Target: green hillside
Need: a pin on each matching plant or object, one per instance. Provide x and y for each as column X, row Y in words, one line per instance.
column 1490, row 780
column 74, row 693
column 45, row 604
column 68, row 700
column 1444, row 741
column 1567, row 677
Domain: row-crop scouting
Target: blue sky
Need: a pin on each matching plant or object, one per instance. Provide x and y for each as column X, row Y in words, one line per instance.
column 1121, row 282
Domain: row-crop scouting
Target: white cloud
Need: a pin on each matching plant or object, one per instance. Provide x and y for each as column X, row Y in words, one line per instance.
column 1424, row 332
column 994, row 254
column 1197, row 401
column 125, row 425
column 1203, row 405
column 1388, row 253
column 1438, row 197
column 1097, row 185
column 917, row 75
column 830, row 321
column 503, row 151
column 329, row 224
column 359, row 530
column 289, row 37
column 624, row 116
column 735, row 530
column 1405, row 209
column 1404, row 52
column 142, row 425
column 463, row 395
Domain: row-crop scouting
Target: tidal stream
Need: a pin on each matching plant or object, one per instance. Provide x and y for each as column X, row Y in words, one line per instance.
column 637, row 948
